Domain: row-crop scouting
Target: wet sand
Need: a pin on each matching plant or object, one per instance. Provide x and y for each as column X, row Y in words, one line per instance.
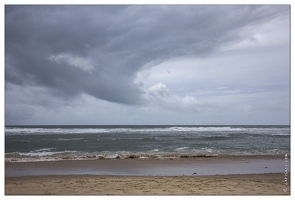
column 188, row 176
column 150, row 167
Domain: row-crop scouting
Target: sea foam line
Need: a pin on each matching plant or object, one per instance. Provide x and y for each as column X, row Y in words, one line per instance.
column 27, row 131
column 36, row 156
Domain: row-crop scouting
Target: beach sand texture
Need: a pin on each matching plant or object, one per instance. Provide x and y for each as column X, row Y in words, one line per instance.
column 241, row 184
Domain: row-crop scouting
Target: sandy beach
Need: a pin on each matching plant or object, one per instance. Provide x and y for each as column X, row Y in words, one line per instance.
column 188, row 176
column 249, row 184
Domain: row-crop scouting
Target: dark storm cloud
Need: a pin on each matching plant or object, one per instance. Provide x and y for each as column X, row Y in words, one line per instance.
column 97, row 50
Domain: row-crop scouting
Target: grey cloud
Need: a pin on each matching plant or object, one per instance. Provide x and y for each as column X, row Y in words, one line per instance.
column 118, row 41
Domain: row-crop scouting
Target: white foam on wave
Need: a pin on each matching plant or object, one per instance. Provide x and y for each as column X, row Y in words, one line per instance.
column 182, row 148
column 44, row 152
column 193, row 153
column 69, row 139
column 44, row 149
column 177, row 129
column 155, row 150
column 38, row 154
column 46, row 131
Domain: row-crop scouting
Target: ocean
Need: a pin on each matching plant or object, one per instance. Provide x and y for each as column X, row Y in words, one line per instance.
column 53, row 143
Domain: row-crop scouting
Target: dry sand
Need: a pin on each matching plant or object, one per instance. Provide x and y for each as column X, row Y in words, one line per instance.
column 242, row 184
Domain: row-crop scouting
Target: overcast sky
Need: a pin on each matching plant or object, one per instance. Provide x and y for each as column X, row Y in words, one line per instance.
column 202, row 65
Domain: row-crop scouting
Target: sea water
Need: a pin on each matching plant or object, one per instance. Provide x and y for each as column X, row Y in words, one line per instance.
column 52, row 143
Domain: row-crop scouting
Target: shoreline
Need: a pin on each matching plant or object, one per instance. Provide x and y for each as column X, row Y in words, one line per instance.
column 250, row 175
column 238, row 184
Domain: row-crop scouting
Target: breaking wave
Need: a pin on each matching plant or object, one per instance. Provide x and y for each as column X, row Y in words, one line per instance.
column 184, row 152
column 178, row 129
